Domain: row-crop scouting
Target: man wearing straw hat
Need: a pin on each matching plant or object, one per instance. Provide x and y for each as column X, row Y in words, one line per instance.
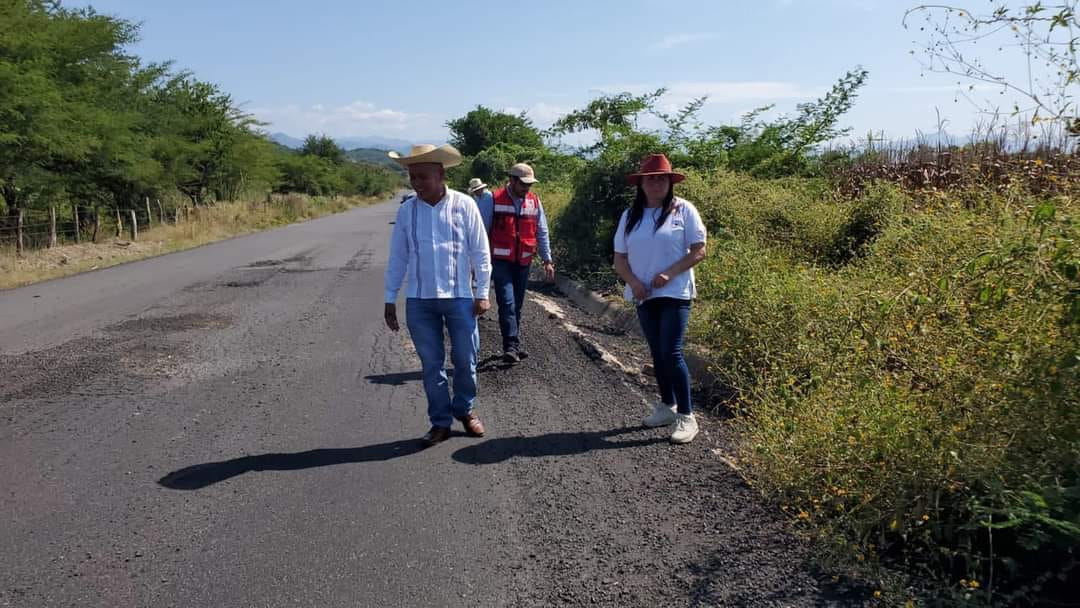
column 480, row 193
column 439, row 243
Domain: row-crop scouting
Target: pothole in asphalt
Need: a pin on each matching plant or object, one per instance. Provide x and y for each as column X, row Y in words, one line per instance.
column 265, row 263
column 128, row 353
column 295, row 259
column 170, row 324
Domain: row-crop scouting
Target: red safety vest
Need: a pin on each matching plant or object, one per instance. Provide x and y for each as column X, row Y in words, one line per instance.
column 513, row 236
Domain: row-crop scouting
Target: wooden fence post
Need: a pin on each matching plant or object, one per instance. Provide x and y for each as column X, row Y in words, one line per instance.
column 149, row 218
column 19, row 235
column 119, row 224
column 52, row 227
column 160, row 211
column 97, row 223
column 134, row 226
column 75, row 216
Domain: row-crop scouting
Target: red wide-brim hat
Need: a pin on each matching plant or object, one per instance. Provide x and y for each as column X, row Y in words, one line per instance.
column 654, row 164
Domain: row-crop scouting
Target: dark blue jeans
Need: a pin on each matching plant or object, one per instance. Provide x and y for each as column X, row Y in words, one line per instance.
column 663, row 321
column 509, row 280
column 426, row 319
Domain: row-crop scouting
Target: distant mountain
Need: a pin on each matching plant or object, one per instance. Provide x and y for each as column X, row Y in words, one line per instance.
column 286, row 140
column 372, row 156
column 373, row 141
column 348, row 143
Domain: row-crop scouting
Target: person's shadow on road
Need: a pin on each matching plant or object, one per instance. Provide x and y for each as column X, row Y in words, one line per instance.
column 500, row 449
column 200, row 476
column 398, row 378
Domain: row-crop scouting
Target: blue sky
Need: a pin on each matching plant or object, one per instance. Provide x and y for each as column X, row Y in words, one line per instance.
column 402, row 69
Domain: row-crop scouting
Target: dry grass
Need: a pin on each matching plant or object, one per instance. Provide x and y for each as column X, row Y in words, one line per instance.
column 207, row 225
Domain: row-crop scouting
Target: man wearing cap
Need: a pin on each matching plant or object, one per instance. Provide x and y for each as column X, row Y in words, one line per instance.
column 439, row 244
column 518, row 231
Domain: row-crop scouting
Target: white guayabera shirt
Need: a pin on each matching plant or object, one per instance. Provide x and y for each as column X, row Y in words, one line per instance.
column 438, row 248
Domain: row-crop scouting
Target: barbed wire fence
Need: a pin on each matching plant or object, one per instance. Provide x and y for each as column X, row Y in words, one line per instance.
column 30, row 229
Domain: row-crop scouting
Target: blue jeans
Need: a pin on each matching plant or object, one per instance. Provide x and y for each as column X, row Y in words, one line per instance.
column 425, row 319
column 509, row 280
column 663, row 321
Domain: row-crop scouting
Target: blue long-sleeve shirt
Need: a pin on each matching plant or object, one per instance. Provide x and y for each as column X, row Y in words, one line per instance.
column 486, row 203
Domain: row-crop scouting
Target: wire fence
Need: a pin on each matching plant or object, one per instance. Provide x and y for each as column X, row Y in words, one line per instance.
column 29, row 229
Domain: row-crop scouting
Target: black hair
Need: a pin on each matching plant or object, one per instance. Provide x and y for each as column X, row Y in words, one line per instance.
column 638, row 210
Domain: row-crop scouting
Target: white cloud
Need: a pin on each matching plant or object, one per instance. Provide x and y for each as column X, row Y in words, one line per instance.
column 542, row 114
column 733, row 92
column 680, row 93
column 366, row 118
column 674, row 40
column 356, row 118
column 947, row 88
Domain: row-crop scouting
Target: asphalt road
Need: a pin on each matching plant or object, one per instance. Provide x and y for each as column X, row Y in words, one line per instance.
column 235, row 426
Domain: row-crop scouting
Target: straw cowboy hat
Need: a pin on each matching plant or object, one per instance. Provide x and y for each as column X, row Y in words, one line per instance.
column 445, row 155
column 654, row 164
column 475, row 184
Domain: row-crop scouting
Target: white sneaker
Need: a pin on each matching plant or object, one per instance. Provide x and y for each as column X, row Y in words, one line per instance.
column 663, row 415
column 685, row 428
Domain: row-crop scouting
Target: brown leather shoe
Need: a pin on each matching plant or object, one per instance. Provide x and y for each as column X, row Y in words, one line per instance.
column 473, row 426
column 437, row 434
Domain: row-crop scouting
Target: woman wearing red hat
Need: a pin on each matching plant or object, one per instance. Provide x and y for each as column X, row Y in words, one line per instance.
column 658, row 242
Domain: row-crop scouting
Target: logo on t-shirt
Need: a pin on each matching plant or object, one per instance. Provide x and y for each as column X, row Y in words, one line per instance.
column 676, row 216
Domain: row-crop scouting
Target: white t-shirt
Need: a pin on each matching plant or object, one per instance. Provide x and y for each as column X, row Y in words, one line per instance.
column 650, row 253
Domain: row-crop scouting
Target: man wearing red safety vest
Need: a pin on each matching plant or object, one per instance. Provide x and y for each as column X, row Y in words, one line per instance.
column 518, row 232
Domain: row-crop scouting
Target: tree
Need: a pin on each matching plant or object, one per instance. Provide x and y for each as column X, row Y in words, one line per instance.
column 483, row 128
column 780, row 147
column 83, row 121
column 61, row 72
column 612, row 116
column 202, row 129
column 1044, row 35
column 323, row 147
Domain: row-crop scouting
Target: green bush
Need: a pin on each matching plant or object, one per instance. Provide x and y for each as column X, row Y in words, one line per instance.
column 493, row 165
column 318, row 176
column 584, row 231
column 921, row 398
